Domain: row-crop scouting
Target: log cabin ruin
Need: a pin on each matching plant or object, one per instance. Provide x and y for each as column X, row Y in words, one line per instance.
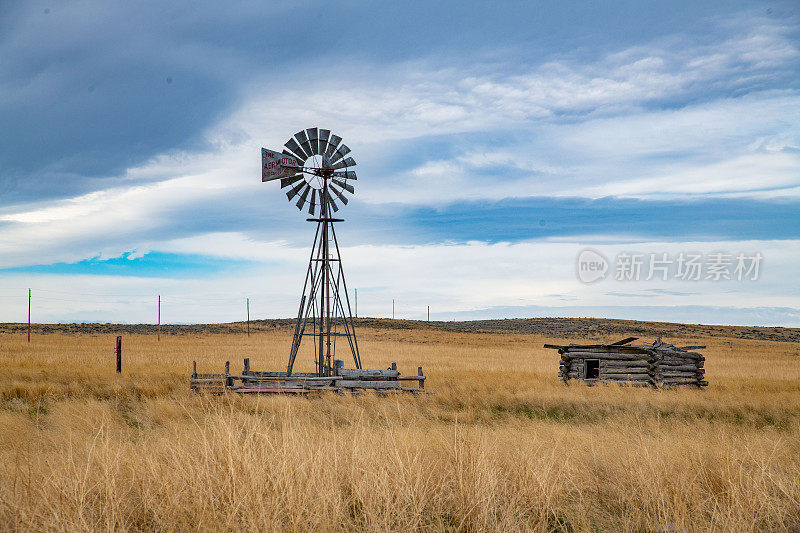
column 658, row 365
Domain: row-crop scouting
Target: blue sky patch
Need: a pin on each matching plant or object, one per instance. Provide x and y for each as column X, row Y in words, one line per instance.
column 517, row 219
column 151, row 265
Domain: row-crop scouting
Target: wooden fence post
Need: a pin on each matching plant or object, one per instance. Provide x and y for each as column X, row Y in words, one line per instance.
column 29, row 315
column 119, row 354
column 228, row 380
column 421, row 381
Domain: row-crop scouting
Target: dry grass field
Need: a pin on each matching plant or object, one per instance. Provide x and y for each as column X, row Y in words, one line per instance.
column 501, row 445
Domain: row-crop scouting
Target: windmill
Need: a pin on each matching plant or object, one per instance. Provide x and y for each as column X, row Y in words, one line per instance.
column 314, row 170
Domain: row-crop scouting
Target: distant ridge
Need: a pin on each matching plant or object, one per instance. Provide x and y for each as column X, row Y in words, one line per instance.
column 584, row 328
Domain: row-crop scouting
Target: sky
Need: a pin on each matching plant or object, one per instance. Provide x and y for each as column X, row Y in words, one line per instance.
column 506, row 152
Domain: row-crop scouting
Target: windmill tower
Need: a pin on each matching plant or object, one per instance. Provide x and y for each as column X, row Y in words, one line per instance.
column 314, row 169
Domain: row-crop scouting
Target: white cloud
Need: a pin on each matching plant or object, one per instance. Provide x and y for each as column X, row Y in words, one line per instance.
column 768, row 173
column 723, row 147
column 411, row 99
column 449, row 278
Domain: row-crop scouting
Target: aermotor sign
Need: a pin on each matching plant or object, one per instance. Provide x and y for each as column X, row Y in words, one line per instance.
column 275, row 165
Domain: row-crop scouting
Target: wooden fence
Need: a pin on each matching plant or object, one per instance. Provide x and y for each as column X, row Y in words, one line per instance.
column 343, row 380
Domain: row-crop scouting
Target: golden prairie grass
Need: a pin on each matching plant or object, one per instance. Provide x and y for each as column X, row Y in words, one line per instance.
column 502, row 444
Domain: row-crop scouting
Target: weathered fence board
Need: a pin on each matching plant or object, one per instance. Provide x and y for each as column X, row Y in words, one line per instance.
column 346, row 379
column 357, row 373
column 363, row 384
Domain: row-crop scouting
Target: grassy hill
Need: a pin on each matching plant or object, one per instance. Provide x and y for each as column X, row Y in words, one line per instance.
column 585, row 328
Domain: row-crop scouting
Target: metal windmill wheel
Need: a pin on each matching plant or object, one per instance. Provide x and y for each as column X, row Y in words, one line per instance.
column 314, row 168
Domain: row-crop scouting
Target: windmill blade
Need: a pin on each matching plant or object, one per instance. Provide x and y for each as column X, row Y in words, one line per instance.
column 302, row 139
column 324, row 135
column 303, row 196
column 349, row 162
column 332, row 144
column 294, row 190
column 338, row 193
column 332, row 204
column 307, row 146
column 324, row 148
column 346, row 174
column 313, row 138
column 285, row 182
column 295, row 150
column 345, row 186
column 313, row 202
column 311, row 144
column 342, row 151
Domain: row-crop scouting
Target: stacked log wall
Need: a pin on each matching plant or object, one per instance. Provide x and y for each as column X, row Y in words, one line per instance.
column 661, row 364
column 677, row 367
